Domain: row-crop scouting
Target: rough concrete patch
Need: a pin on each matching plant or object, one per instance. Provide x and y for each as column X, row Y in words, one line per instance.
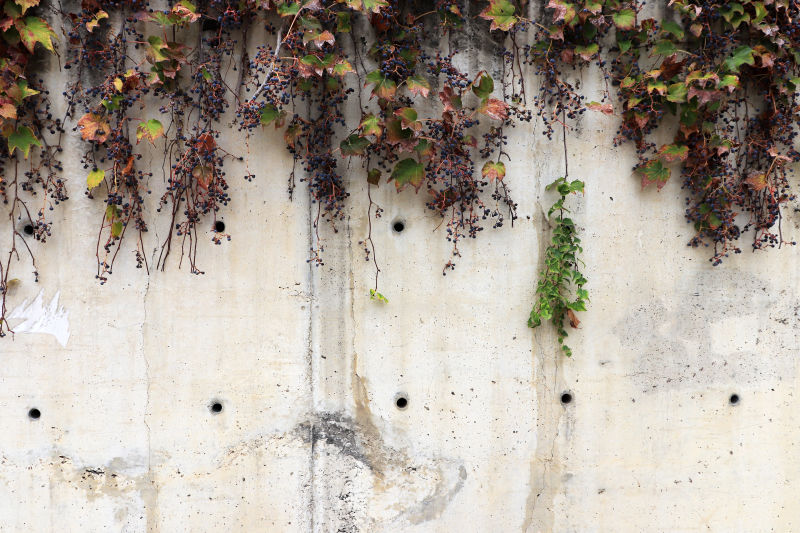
column 710, row 332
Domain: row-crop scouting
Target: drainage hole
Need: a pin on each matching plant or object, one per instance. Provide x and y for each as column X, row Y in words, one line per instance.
column 566, row 398
column 34, row 414
column 219, row 226
column 215, row 407
column 399, row 226
column 734, row 399
column 401, row 402
column 28, row 229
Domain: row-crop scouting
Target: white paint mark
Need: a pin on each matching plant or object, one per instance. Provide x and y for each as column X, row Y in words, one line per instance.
column 36, row 318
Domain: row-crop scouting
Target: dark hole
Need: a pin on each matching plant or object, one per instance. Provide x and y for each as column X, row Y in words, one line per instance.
column 401, row 402
column 399, row 226
column 219, row 226
column 734, row 399
column 566, row 398
column 216, row 407
column 34, row 413
column 28, row 229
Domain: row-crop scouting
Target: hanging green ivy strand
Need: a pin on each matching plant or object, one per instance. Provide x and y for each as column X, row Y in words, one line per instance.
column 727, row 72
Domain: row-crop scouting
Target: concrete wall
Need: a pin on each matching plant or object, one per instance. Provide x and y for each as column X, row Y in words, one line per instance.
column 308, row 369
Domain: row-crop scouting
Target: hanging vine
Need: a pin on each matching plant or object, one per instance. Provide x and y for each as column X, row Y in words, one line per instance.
column 723, row 75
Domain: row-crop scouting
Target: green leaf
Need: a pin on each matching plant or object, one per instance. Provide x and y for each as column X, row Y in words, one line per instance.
column 654, row 171
column 501, row 13
column 374, row 176
column 665, row 47
column 375, row 295
column 34, row 30
column 150, row 130
column 624, row 19
column 587, row 52
column 741, row 56
column 408, row 171
column 22, row 139
column 671, row 27
column 354, row 145
column 384, row 87
column 673, row 152
column 624, row 46
column 484, row 88
column 677, row 93
column 370, row 126
column 95, row 178
column 269, row 113
column 116, row 229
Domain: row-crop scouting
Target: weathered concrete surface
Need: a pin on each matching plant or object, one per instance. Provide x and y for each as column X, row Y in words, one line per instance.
column 308, row 369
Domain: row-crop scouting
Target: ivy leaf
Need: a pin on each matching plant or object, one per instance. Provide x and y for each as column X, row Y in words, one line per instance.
column 34, row 30
column 624, row 19
column 501, row 13
column 408, row 171
column 741, row 56
column 24, row 5
column 494, row 170
column 370, row 126
column 375, row 295
column 384, row 87
column 95, row 178
column 757, row 181
column 374, row 176
column 94, row 127
column 22, row 139
column 20, row 91
column 269, row 113
column 587, row 52
column 563, row 11
column 116, row 229
column 654, row 171
column 341, row 68
column 408, row 118
column 150, row 130
column 484, row 88
column 354, row 145
column 673, row 152
column 494, row 108
column 677, row 93
column 665, row 47
column 418, row 85
column 671, row 27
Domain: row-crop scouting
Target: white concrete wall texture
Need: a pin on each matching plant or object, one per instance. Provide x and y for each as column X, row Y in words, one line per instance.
column 307, row 368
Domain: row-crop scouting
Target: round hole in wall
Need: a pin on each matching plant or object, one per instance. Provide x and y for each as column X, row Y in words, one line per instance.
column 215, row 407
column 34, row 414
column 219, row 226
column 734, row 399
column 401, row 401
column 566, row 398
column 28, row 229
column 398, row 226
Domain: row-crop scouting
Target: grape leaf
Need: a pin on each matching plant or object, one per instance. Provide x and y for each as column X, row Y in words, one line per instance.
column 95, row 178
column 22, row 139
column 94, row 127
column 418, row 85
column 501, row 13
column 34, row 30
column 494, row 170
column 354, row 145
column 150, row 130
column 408, row 171
column 484, row 88
column 624, row 19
